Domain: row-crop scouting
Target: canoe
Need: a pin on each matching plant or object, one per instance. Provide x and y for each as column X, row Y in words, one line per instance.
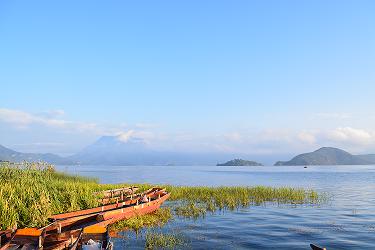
column 108, row 217
column 132, row 200
column 5, row 238
column 117, row 199
column 95, row 237
column 94, row 229
column 91, row 237
column 27, row 238
column 69, row 229
column 117, row 192
column 112, row 216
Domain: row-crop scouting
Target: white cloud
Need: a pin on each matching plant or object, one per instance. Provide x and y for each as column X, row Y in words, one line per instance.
column 273, row 141
column 268, row 141
column 307, row 137
column 23, row 120
column 351, row 135
column 125, row 136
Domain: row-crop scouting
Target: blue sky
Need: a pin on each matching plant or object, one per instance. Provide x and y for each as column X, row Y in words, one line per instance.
column 259, row 77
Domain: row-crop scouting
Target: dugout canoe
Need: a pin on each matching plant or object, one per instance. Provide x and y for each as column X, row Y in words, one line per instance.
column 87, row 212
column 6, row 237
column 91, row 237
column 127, row 212
column 117, row 192
column 27, row 238
column 95, row 237
column 108, row 217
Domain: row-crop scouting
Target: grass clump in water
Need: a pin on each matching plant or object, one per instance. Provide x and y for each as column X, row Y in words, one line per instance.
column 156, row 219
column 158, row 240
column 235, row 197
column 191, row 210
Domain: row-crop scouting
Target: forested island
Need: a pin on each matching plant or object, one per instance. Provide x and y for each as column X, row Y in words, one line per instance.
column 239, row 162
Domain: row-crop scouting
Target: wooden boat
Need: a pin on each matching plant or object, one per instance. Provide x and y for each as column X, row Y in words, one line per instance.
column 127, row 212
column 113, row 195
column 92, row 237
column 95, row 236
column 107, row 217
column 86, row 212
column 27, row 238
column 5, row 238
column 70, row 241
column 67, row 230
column 94, row 224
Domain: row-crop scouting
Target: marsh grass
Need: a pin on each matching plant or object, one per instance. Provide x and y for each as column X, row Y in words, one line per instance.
column 190, row 210
column 31, row 192
column 195, row 201
column 156, row 219
column 158, row 240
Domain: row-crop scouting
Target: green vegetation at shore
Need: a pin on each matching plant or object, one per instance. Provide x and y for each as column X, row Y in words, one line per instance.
column 157, row 219
column 31, row 192
column 158, row 240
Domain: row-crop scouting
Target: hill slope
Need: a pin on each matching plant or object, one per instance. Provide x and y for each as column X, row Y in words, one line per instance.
column 7, row 154
column 130, row 151
column 325, row 156
column 368, row 157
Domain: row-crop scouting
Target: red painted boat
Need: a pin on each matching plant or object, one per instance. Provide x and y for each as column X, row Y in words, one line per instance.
column 116, row 195
column 67, row 228
column 86, row 212
column 5, row 238
column 112, row 216
column 27, row 238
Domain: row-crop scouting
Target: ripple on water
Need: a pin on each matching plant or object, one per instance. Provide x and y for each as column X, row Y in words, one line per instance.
column 346, row 222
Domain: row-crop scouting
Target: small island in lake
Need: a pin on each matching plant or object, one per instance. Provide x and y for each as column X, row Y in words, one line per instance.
column 239, row 162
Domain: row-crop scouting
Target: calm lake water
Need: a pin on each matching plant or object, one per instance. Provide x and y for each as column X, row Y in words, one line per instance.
column 346, row 222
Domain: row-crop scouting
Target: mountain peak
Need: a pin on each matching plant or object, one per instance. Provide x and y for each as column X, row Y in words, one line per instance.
column 325, row 156
column 329, row 149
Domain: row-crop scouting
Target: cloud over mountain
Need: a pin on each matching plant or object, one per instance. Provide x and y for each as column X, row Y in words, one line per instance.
column 46, row 126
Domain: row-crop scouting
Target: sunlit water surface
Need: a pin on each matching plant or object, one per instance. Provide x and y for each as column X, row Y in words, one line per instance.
column 346, row 222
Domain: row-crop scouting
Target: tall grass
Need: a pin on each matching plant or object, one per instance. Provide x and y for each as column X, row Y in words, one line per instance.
column 234, row 197
column 159, row 240
column 31, row 192
column 156, row 219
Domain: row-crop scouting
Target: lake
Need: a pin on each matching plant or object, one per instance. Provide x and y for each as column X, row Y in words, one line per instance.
column 347, row 221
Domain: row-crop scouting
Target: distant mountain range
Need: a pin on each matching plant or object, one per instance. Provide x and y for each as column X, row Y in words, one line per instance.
column 7, row 154
column 328, row 156
column 115, row 150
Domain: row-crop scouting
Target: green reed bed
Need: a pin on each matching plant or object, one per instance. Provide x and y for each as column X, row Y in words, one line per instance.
column 195, row 201
column 190, row 210
column 159, row 240
column 31, row 192
column 156, row 219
